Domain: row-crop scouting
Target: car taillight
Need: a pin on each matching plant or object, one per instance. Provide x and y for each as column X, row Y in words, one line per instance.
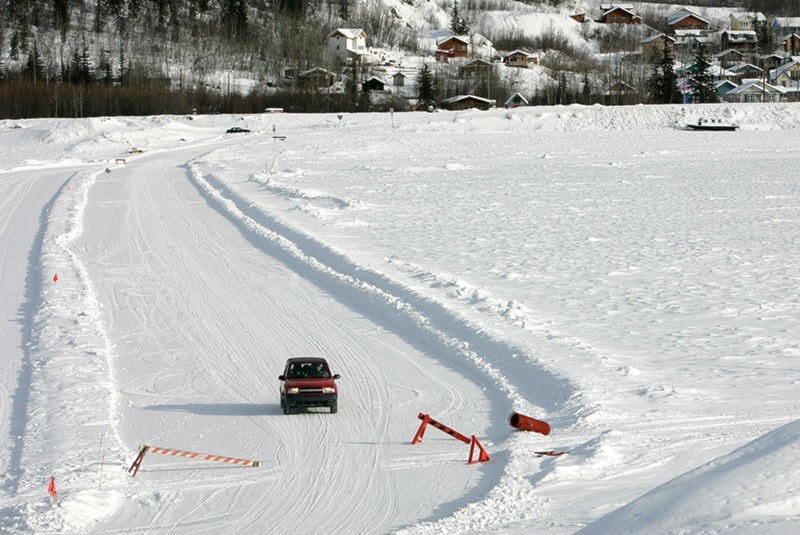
column 328, row 390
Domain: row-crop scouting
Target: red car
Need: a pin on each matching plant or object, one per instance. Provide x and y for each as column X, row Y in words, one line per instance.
column 308, row 382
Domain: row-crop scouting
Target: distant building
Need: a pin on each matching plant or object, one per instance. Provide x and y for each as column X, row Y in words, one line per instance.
column 317, row 78
column 746, row 21
column 347, row 44
column 519, row 58
column 744, row 41
column 755, row 90
column 451, row 47
column 465, row 102
column 515, row 101
column 373, row 83
column 787, row 75
column 653, row 48
column 686, row 19
column 791, row 43
column 729, row 57
column 476, row 68
column 786, row 25
column 617, row 14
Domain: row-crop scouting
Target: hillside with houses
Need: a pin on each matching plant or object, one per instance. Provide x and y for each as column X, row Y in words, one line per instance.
column 390, row 55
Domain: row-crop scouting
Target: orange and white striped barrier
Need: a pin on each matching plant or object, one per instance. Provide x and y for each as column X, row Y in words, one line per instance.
column 474, row 444
column 134, row 469
column 426, row 419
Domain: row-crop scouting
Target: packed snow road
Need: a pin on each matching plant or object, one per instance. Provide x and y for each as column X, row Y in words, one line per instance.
column 203, row 316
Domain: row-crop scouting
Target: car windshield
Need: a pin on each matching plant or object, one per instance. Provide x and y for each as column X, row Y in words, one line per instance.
column 308, row 370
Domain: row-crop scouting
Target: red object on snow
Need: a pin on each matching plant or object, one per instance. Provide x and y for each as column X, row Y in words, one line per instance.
column 55, row 277
column 51, row 488
column 526, row 423
column 482, row 455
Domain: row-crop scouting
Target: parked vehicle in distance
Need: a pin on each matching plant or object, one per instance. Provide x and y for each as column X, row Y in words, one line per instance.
column 713, row 125
column 308, row 382
column 237, row 130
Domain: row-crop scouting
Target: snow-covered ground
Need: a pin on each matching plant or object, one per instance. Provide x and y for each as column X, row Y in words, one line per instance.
column 630, row 282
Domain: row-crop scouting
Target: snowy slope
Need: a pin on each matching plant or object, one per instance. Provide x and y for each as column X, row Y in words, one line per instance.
column 630, row 282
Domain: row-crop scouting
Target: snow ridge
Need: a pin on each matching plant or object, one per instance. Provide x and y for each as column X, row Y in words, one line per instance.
column 71, row 357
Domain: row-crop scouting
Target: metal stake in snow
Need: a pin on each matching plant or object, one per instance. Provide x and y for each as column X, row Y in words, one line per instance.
column 134, row 469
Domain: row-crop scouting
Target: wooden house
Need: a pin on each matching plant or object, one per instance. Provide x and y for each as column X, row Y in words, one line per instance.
column 476, row 68
column 619, row 92
column 772, row 61
column 399, row 79
column 743, row 41
column 653, row 48
column 729, row 57
column 373, row 83
column 791, row 43
column 686, row 19
column 317, row 78
column 465, row 102
column 451, row 47
column 743, row 71
column 519, row 58
column 617, row 14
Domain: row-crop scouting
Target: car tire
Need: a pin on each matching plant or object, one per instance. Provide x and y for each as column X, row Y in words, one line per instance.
column 334, row 406
column 287, row 409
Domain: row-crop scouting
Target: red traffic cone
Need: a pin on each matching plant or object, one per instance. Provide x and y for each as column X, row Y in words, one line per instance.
column 55, row 277
column 51, row 488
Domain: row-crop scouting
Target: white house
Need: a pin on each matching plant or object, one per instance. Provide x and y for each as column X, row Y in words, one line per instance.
column 347, row 44
column 755, row 90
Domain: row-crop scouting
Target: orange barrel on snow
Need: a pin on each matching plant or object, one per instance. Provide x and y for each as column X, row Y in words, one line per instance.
column 526, row 423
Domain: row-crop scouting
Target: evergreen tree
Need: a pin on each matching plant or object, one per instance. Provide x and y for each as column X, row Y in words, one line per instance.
column 234, row 17
column 427, row 92
column 80, row 67
column 457, row 23
column 662, row 84
column 107, row 70
column 61, row 16
column 764, row 37
column 587, row 88
column 14, row 47
column 705, row 92
column 34, row 68
column 296, row 7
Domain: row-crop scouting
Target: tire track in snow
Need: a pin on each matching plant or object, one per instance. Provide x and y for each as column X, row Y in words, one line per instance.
column 422, row 323
column 398, row 307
